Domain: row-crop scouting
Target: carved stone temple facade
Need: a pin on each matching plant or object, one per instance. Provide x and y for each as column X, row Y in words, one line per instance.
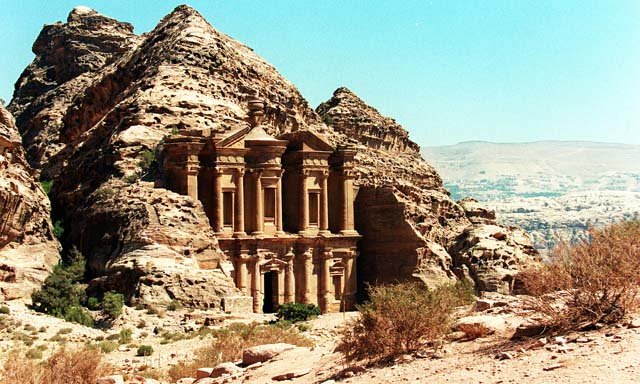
column 282, row 209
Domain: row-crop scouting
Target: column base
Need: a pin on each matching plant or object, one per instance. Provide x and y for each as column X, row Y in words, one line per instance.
column 280, row 233
column 257, row 233
column 324, row 232
column 349, row 232
column 240, row 234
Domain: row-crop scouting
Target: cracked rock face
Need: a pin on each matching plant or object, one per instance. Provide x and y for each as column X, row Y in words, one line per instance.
column 28, row 249
column 98, row 99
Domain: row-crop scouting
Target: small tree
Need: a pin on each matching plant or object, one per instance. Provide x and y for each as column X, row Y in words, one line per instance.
column 112, row 304
column 61, row 289
column 62, row 294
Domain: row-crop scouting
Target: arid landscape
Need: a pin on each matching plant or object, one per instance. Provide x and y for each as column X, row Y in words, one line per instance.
column 173, row 210
column 556, row 191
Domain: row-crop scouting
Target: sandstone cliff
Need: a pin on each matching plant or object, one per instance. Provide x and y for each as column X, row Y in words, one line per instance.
column 94, row 127
column 28, row 249
column 411, row 227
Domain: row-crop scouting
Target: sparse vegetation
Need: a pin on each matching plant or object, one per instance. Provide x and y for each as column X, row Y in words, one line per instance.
column 593, row 282
column 474, row 331
column 107, row 346
column 401, row 318
column 34, row 353
column 4, row 310
column 229, row 343
column 295, row 312
column 125, row 336
column 81, row 366
column 174, row 305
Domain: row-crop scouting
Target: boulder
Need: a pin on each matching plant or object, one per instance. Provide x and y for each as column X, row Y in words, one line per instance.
column 113, row 379
column 201, row 373
column 225, row 369
column 262, row 353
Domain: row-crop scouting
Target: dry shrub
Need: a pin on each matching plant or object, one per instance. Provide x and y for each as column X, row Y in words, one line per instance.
column 400, row 318
column 474, row 331
column 594, row 281
column 229, row 343
column 82, row 366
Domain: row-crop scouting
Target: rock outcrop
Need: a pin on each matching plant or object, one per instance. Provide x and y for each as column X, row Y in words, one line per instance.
column 28, row 249
column 347, row 113
column 97, row 102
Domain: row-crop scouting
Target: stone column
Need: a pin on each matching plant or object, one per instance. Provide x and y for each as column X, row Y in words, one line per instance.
column 218, row 221
column 324, row 293
column 279, row 230
column 307, row 260
column 349, row 281
column 242, row 273
column 347, row 225
column 304, row 202
column 238, row 222
column 258, row 204
column 192, row 169
column 289, row 278
column 324, row 204
column 256, row 285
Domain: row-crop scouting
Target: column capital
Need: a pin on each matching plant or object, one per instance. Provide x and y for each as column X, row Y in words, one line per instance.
column 218, row 171
column 328, row 253
column 240, row 172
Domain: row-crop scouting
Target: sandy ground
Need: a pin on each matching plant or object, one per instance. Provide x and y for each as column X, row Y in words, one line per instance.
column 604, row 356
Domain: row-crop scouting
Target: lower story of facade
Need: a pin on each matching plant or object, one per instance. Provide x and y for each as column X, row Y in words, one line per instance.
column 318, row 270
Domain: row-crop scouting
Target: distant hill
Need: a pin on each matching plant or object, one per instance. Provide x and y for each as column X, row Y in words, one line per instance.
column 554, row 189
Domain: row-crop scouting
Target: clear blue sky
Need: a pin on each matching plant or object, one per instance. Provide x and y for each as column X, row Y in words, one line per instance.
column 449, row 71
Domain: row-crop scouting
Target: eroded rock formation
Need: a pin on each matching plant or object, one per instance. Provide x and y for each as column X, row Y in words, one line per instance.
column 345, row 112
column 28, row 249
column 97, row 103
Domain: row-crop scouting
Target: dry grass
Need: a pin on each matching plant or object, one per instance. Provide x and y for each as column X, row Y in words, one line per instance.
column 593, row 282
column 82, row 366
column 229, row 343
column 400, row 318
column 474, row 331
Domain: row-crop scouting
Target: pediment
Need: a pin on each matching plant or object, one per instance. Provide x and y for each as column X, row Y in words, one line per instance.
column 307, row 140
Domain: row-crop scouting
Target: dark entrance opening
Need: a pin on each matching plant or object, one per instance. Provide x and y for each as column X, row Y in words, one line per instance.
column 270, row 282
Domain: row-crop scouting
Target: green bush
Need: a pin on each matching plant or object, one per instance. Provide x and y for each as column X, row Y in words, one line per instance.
column 144, row 350
column 46, row 186
column 124, row 337
column 62, row 295
column 295, row 312
column 399, row 319
column 58, row 229
column 80, row 315
column 112, row 304
column 93, row 303
column 4, row 310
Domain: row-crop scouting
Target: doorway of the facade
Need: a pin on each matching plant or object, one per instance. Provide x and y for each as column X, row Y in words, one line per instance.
column 270, row 292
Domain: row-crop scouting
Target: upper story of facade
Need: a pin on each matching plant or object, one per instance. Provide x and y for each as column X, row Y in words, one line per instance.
column 253, row 184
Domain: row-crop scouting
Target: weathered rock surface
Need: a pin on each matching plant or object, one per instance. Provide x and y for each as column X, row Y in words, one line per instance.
column 346, row 113
column 411, row 228
column 262, row 353
column 95, row 105
column 28, row 249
